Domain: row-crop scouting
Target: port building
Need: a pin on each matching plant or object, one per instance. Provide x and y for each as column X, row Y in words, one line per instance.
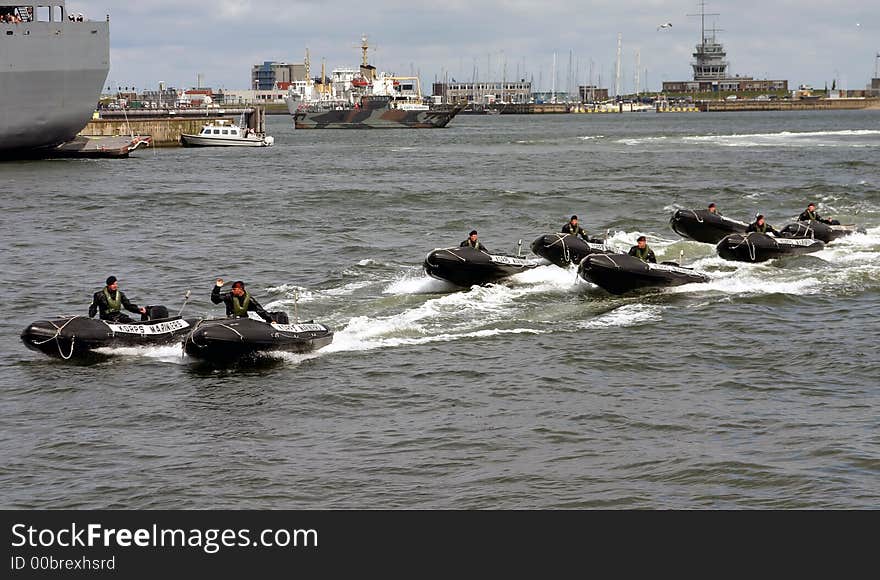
column 711, row 74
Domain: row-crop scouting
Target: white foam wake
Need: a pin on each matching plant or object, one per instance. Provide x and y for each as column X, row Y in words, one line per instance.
column 171, row 353
column 625, row 316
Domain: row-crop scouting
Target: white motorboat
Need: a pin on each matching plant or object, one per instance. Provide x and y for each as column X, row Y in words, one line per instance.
column 223, row 133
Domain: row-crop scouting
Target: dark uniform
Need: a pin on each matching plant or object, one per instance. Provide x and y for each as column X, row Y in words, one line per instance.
column 111, row 304
column 475, row 245
column 576, row 231
column 238, row 307
column 646, row 255
column 813, row 216
column 765, row 229
column 579, row 232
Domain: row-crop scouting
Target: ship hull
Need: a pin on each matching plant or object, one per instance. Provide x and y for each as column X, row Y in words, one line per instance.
column 378, row 118
column 51, row 76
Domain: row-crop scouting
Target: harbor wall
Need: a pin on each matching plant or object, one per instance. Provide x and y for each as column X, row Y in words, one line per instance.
column 165, row 132
column 166, row 127
column 789, row 105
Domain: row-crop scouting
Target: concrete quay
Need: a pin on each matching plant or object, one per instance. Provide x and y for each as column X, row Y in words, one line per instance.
column 165, row 127
column 789, row 105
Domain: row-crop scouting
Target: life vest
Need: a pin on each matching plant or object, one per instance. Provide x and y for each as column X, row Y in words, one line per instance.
column 812, row 215
column 642, row 254
column 240, row 308
column 114, row 304
column 761, row 229
column 573, row 230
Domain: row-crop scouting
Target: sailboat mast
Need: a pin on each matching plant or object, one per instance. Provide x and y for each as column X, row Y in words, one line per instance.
column 638, row 67
column 617, row 74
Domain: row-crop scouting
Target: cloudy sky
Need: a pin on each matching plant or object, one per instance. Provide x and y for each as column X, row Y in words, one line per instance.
column 804, row 41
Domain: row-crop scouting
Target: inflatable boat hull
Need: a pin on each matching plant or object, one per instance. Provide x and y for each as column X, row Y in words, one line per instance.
column 469, row 267
column 565, row 249
column 703, row 226
column 755, row 247
column 230, row 339
column 622, row 273
column 819, row 231
column 77, row 336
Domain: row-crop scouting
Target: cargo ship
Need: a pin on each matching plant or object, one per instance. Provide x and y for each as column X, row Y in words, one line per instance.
column 363, row 99
column 53, row 66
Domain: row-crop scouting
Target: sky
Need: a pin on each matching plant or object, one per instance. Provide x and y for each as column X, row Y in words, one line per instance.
column 803, row 41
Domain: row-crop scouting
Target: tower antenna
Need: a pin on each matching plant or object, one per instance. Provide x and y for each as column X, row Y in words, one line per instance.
column 703, row 16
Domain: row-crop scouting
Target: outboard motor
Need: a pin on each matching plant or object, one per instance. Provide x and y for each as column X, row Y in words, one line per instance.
column 156, row 312
column 799, row 230
column 280, row 317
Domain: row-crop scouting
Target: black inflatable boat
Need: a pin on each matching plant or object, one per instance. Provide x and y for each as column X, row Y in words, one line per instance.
column 622, row 273
column 703, row 226
column 565, row 249
column 230, row 339
column 756, row 247
column 819, row 231
column 77, row 336
column 469, row 267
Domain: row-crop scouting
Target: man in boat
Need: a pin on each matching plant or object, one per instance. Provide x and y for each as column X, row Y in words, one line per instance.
column 238, row 302
column 811, row 215
column 642, row 251
column 110, row 301
column 573, row 228
column 762, row 227
column 713, row 209
column 472, row 242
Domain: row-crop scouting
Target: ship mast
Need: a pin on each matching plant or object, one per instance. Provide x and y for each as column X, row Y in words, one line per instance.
column 364, row 50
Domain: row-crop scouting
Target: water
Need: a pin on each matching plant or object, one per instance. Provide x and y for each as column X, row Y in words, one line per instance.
column 756, row 390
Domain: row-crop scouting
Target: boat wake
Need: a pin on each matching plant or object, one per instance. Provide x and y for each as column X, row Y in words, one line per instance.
column 625, row 316
column 848, row 138
column 402, row 307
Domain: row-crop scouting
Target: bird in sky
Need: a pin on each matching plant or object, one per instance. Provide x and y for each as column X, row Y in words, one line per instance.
column 667, row 25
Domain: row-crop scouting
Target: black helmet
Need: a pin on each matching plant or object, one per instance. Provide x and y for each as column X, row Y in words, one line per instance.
column 238, row 284
column 111, row 280
column 473, row 233
column 574, row 217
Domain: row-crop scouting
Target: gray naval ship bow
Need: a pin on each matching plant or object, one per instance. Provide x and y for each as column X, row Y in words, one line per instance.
column 53, row 66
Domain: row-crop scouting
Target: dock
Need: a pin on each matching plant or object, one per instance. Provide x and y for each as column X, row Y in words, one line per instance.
column 99, row 147
column 164, row 127
column 743, row 105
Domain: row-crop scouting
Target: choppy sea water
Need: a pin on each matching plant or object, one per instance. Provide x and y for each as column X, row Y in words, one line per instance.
column 756, row 390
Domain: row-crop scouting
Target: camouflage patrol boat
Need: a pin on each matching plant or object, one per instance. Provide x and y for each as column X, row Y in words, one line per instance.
column 363, row 99
column 373, row 112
